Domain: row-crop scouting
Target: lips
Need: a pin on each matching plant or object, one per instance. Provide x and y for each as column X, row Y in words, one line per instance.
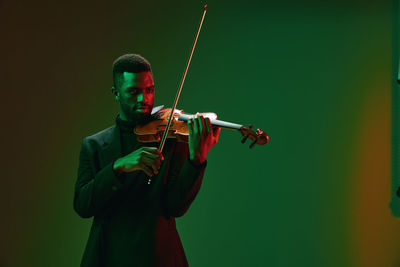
column 142, row 107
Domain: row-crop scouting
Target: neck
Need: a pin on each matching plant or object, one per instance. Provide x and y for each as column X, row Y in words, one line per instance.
column 122, row 116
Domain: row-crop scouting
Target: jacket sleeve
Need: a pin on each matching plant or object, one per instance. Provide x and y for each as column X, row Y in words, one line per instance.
column 94, row 189
column 183, row 182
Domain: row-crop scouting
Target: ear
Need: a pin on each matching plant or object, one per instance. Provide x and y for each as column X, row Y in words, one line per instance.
column 115, row 92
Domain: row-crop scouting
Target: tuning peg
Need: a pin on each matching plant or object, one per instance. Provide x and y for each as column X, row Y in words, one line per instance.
column 252, row 144
column 245, row 138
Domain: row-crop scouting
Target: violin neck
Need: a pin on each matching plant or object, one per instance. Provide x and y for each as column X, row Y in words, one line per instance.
column 222, row 124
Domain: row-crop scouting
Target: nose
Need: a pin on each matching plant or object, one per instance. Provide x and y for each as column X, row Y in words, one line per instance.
column 140, row 98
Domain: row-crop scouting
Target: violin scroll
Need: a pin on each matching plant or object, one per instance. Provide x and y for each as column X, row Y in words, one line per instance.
column 258, row 137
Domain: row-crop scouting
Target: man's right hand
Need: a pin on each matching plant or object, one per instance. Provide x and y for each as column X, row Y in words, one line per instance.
column 147, row 159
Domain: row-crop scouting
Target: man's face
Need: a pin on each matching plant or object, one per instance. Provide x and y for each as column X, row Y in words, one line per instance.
column 136, row 96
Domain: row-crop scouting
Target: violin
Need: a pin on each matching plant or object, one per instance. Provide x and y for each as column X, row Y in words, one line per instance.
column 153, row 131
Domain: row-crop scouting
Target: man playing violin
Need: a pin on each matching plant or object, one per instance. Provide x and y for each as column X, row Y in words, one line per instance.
column 133, row 221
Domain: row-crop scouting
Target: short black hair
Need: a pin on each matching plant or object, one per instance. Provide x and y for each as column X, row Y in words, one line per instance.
column 133, row 63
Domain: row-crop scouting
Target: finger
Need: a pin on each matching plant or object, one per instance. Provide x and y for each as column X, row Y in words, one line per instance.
column 158, row 162
column 196, row 126
column 155, row 161
column 151, row 163
column 146, row 169
column 160, row 154
column 204, row 130
column 190, row 126
column 208, row 125
column 217, row 130
column 152, row 150
column 190, row 123
column 153, row 154
column 149, row 148
column 200, row 122
column 204, row 125
column 152, row 159
column 150, row 154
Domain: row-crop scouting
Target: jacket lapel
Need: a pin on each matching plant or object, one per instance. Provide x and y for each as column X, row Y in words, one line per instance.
column 111, row 145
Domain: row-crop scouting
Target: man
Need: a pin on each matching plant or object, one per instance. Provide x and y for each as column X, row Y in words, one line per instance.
column 133, row 221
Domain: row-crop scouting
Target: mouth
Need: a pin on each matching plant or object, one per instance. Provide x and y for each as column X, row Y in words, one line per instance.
column 143, row 107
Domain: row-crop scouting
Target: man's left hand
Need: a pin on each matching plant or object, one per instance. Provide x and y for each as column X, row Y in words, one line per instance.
column 202, row 137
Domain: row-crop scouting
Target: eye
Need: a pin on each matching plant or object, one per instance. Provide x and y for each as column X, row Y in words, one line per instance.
column 149, row 89
column 133, row 91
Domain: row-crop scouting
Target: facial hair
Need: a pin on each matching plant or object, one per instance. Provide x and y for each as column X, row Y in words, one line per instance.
column 137, row 117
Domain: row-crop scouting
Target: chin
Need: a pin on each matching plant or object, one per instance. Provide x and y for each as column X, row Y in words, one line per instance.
column 145, row 111
column 140, row 117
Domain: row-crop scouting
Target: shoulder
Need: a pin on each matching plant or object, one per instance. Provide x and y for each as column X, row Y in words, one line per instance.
column 102, row 133
column 100, row 137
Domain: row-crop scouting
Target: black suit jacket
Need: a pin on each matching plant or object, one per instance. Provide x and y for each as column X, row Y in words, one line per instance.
column 133, row 223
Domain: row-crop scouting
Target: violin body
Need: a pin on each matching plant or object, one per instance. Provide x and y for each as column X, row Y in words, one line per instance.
column 154, row 130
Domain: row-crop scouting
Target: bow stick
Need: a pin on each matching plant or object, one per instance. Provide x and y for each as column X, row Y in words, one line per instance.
column 165, row 134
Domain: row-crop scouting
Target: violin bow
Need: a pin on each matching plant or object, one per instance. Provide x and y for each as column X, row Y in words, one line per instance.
column 165, row 134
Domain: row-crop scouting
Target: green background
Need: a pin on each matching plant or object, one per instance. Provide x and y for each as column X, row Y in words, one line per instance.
column 317, row 76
